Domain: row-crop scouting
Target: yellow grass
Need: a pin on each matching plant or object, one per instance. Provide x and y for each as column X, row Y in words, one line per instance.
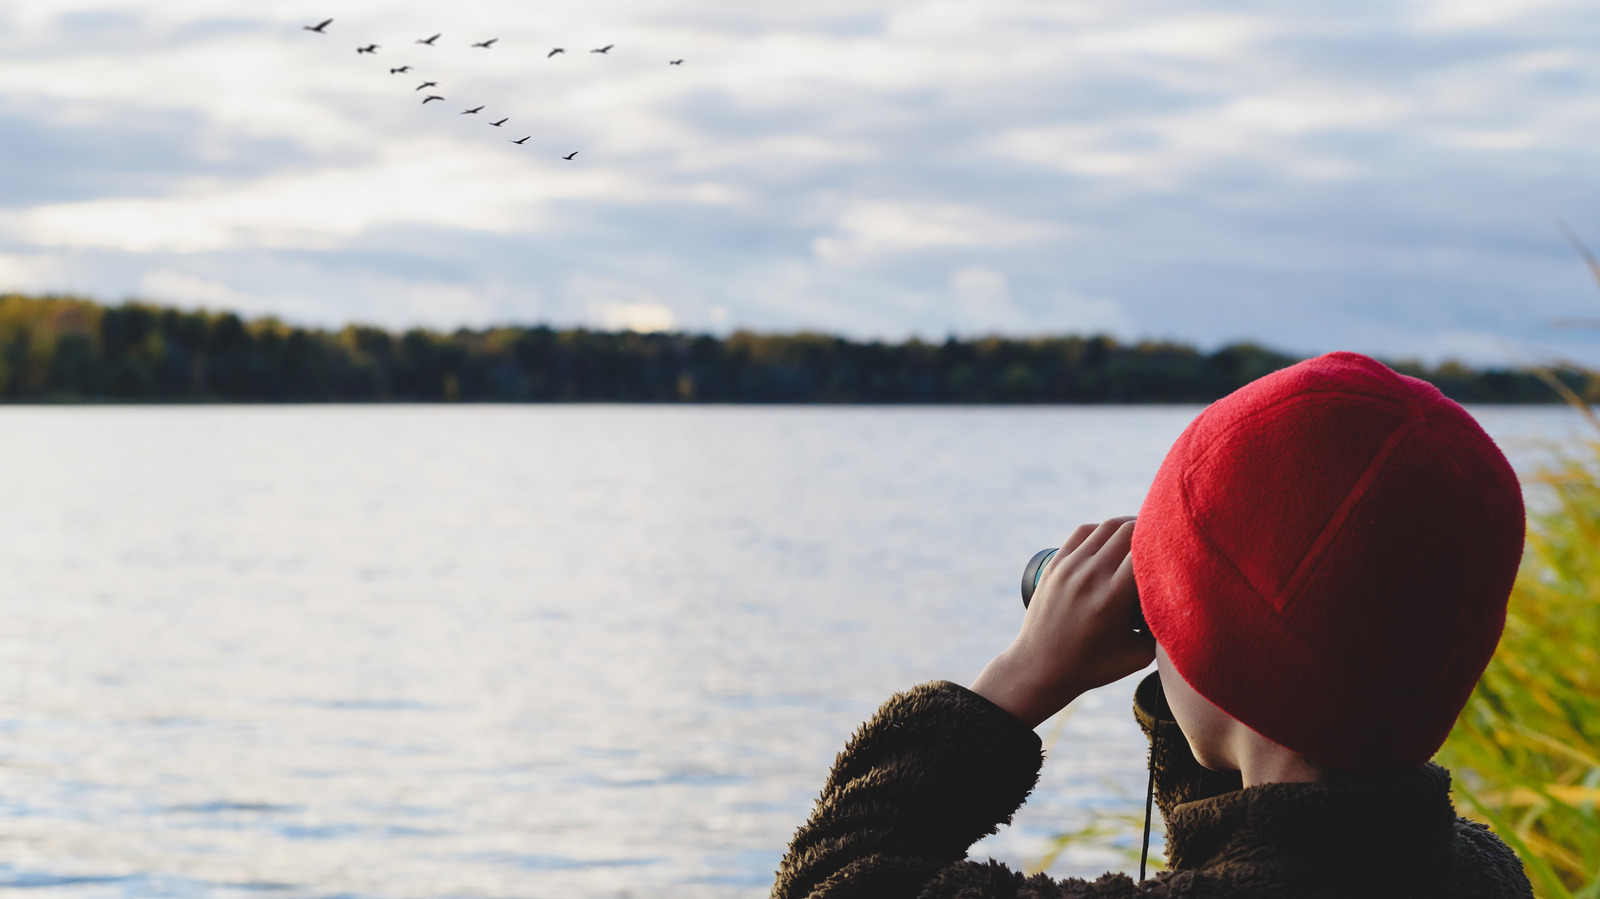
column 1526, row 749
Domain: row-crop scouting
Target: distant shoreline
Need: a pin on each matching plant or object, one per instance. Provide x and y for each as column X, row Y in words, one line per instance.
column 69, row 350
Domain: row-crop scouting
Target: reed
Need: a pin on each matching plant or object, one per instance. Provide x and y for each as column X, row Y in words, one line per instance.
column 1526, row 749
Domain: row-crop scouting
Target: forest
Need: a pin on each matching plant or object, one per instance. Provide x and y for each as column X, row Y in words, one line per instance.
column 63, row 349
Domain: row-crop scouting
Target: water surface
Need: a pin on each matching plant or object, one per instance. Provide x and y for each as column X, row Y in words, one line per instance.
column 515, row 651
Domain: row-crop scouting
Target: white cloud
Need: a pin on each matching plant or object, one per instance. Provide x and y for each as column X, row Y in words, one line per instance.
column 310, row 211
column 1192, row 170
column 187, row 289
column 427, row 185
column 984, row 290
column 24, row 273
column 444, row 306
column 620, row 305
column 874, row 228
column 1068, row 312
column 642, row 317
column 985, row 300
column 1480, row 14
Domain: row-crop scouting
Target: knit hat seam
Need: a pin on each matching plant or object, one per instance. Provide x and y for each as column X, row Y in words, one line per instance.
column 1336, row 522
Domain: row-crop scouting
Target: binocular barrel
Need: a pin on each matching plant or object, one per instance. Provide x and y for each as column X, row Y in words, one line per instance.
column 1035, row 570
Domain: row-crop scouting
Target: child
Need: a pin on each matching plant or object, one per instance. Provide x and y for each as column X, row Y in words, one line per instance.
column 1323, row 561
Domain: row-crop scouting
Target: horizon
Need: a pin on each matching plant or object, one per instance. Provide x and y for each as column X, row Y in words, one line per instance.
column 55, row 350
column 249, row 318
column 1385, row 179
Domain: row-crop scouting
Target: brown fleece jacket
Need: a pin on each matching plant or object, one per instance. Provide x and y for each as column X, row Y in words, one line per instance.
column 940, row 767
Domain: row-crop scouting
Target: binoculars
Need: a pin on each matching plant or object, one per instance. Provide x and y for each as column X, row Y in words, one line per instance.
column 1035, row 570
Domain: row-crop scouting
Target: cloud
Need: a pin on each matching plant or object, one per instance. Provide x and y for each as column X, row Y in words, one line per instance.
column 618, row 305
column 186, row 289
column 1377, row 177
column 986, row 305
column 983, row 291
column 312, row 210
column 874, row 228
column 1480, row 14
column 21, row 273
column 1072, row 313
column 641, row 317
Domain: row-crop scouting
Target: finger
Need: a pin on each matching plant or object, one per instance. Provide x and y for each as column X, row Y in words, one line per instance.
column 1114, row 601
column 1125, row 565
column 1135, row 649
column 1079, row 535
column 1074, row 540
column 1123, row 585
column 1101, row 534
column 1116, row 550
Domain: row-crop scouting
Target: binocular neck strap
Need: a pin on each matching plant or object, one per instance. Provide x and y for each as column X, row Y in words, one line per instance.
column 1150, row 790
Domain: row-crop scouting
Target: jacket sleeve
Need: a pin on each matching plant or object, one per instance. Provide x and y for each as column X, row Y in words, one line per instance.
column 937, row 769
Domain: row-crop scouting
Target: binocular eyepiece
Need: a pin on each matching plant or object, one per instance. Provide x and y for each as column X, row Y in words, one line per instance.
column 1035, row 570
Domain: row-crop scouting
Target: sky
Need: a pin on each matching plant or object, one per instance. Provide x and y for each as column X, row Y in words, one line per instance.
column 1383, row 177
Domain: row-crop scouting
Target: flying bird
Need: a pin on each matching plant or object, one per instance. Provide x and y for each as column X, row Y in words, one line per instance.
column 429, row 40
column 675, row 62
column 474, row 109
column 427, row 84
column 555, row 51
column 400, row 71
column 319, row 27
column 501, row 122
column 486, row 44
column 605, row 49
column 523, row 141
column 569, row 155
column 370, row 48
column 430, row 98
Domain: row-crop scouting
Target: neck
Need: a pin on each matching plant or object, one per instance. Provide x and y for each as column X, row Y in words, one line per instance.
column 1261, row 762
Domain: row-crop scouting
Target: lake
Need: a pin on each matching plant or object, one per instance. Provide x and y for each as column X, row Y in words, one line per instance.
column 530, row 651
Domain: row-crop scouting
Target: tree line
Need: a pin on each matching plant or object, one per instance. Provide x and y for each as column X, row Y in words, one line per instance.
column 69, row 349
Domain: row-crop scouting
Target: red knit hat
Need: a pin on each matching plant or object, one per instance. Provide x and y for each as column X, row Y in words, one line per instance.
column 1326, row 555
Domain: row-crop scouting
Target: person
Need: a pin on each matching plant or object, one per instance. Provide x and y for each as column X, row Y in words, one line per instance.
column 1324, row 561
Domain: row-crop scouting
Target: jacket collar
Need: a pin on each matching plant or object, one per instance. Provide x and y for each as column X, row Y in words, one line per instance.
column 1212, row 819
column 1346, row 816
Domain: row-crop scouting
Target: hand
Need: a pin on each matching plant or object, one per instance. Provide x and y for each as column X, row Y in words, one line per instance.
column 1075, row 636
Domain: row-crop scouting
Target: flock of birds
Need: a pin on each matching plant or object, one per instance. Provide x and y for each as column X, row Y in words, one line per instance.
column 372, row 49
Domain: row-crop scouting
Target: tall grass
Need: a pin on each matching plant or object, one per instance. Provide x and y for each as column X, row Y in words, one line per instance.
column 1526, row 749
